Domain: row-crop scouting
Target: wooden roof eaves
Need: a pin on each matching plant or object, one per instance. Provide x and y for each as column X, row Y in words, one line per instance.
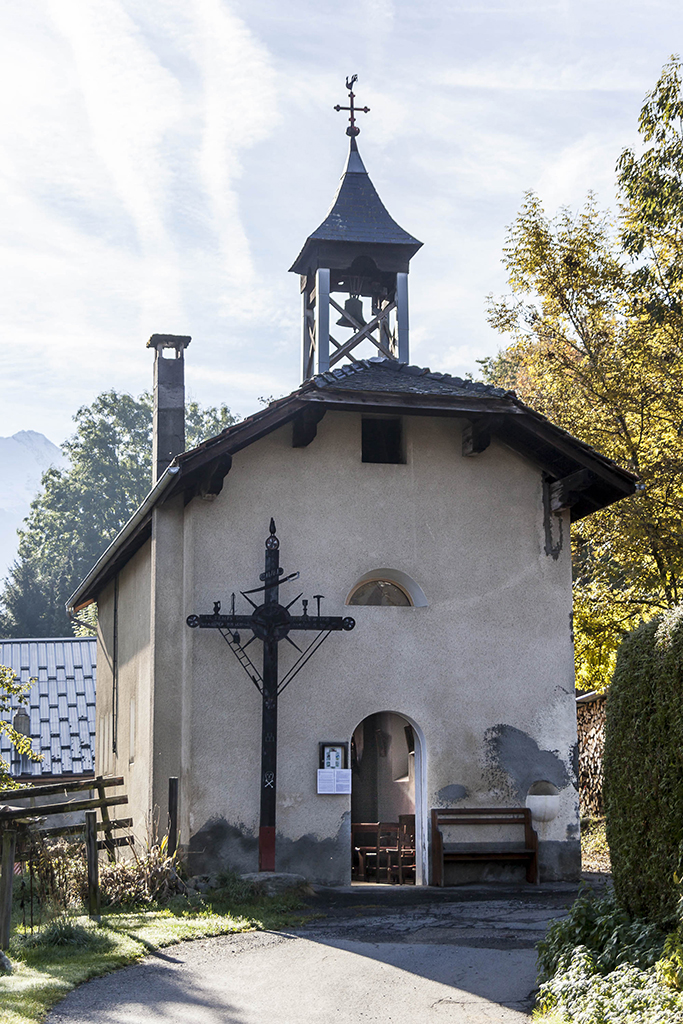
column 540, row 430
column 121, row 557
column 234, row 439
column 514, row 424
column 507, row 412
column 411, row 402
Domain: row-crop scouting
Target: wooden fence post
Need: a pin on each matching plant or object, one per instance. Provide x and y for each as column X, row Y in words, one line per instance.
column 91, row 856
column 172, row 816
column 104, row 811
column 9, row 840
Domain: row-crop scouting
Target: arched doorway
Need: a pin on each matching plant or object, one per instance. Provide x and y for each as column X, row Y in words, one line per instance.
column 387, row 754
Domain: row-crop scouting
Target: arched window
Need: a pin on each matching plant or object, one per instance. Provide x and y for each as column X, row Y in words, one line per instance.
column 388, row 587
column 379, row 592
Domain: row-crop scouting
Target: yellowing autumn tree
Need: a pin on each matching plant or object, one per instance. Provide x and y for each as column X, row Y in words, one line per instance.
column 596, row 317
column 13, row 692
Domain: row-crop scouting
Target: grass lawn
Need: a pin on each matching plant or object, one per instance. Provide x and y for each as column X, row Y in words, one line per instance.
column 67, row 952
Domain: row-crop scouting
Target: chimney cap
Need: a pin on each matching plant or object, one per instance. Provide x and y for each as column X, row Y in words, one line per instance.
column 177, row 341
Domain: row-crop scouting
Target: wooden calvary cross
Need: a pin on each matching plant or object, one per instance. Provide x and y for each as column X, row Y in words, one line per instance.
column 270, row 622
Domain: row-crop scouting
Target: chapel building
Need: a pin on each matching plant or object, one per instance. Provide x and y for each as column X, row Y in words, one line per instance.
column 432, row 511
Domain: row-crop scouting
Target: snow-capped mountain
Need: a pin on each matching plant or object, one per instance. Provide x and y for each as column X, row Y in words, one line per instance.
column 24, row 457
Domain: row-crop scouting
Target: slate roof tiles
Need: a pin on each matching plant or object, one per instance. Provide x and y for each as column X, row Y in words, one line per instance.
column 61, row 705
column 381, row 374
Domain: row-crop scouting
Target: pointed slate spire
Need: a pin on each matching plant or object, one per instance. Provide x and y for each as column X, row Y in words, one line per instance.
column 359, row 250
column 359, row 217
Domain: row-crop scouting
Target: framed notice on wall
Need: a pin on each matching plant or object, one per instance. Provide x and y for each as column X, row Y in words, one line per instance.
column 334, row 780
column 334, row 774
column 333, row 754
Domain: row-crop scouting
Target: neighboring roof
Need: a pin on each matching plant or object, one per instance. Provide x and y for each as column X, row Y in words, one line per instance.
column 358, row 215
column 61, row 705
column 371, row 385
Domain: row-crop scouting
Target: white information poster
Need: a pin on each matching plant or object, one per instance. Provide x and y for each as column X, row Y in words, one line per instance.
column 334, row 780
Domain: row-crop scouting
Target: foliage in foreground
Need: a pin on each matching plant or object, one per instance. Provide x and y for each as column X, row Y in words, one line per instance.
column 596, row 320
column 13, row 692
column 627, row 995
column 602, row 927
column 599, row 965
column 144, row 877
column 643, row 769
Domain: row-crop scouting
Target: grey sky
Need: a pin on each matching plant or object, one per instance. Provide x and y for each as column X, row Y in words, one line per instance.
column 162, row 161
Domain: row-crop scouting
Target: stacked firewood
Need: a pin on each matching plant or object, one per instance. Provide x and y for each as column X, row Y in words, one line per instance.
column 591, row 728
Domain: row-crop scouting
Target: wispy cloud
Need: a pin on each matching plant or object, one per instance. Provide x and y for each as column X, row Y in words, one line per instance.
column 161, row 164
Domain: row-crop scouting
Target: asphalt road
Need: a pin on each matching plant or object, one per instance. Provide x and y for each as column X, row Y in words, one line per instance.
column 380, row 953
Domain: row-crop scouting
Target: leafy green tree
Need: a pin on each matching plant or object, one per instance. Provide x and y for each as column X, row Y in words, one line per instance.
column 10, row 687
column 596, row 320
column 80, row 510
column 652, row 213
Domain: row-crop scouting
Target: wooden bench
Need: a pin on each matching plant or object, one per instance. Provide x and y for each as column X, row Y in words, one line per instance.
column 443, row 854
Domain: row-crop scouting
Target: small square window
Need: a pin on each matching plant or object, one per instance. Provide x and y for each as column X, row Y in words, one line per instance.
column 382, row 440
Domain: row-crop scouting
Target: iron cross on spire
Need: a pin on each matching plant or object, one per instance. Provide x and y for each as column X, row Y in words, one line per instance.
column 270, row 622
column 352, row 130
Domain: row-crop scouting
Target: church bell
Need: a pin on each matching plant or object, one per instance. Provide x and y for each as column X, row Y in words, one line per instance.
column 358, row 250
column 354, row 307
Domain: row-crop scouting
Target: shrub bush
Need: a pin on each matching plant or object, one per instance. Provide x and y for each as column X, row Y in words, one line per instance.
column 604, row 929
column 643, row 768
column 61, row 877
column 627, row 995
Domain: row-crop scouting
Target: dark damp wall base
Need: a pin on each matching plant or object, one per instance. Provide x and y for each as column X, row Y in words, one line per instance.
column 558, row 861
column 325, row 861
column 220, row 846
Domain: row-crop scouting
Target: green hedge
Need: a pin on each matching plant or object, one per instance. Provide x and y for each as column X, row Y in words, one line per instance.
column 643, row 766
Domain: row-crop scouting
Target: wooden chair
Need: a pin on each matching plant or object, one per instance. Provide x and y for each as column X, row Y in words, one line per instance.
column 365, row 845
column 387, row 855
column 406, row 848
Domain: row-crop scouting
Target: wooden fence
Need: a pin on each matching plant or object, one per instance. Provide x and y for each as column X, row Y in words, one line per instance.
column 12, row 816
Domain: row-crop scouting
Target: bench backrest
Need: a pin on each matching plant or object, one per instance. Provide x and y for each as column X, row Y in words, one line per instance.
column 448, row 816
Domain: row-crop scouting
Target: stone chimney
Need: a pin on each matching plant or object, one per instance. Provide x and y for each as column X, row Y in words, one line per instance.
column 168, row 439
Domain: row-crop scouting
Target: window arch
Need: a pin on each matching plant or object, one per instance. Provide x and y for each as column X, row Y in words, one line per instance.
column 388, row 587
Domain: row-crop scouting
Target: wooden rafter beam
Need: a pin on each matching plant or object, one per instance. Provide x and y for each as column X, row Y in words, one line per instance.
column 476, row 435
column 566, row 492
column 305, row 425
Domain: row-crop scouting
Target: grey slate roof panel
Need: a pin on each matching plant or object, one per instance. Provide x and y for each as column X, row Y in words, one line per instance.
column 359, row 215
column 61, row 705
column 388, row 375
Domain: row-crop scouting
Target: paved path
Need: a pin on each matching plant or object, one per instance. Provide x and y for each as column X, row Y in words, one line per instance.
column 380, row 954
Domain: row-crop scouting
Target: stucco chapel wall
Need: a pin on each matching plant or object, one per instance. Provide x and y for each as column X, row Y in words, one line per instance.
column 133, row 708
column 485, row 670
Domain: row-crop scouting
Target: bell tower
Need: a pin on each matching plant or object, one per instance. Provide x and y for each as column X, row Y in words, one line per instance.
column 361, row 252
